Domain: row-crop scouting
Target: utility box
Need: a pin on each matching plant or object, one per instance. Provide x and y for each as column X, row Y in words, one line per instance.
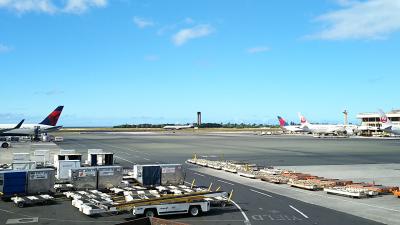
column 21, row 156
column 147, row 175
column 64, row 166
column 23, row 165
column 12, row 183
column 109, row 177
column 84, row 178
column 171, row 174
column 40, row 181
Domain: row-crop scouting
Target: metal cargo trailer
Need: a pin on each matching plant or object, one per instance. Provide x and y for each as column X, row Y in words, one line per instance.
column 64, row 166
column 12, row 183
column 109, row 177
column 23, row 165
column 171, row 174
column 40, row 181
column 147, row 175
column 84, row 178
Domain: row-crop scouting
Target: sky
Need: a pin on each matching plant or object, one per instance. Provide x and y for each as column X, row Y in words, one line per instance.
column 112, row 62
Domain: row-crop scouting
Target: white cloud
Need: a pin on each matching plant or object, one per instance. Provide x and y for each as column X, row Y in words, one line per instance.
column 142, row 22
column 371, row 19
column 48, row 6
column 184, row 35
column 80, row 6
column 257, row 49
column 22, row 6
column 4, row 48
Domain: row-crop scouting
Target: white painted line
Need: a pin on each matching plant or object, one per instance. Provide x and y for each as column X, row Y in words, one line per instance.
column 23, row 220
column 146, row 159
column 261, row 193
column 246, row 219
column 222, row 181
column 124, row 159
column 301, row 213
column 199, row 174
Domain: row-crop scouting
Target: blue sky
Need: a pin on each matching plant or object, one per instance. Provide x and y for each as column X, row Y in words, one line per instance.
column 121, row 61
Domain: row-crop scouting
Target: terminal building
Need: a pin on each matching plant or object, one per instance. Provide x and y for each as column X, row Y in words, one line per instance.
column 372, row 120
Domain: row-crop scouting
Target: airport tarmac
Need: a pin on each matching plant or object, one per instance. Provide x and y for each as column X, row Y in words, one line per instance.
column 256, row 204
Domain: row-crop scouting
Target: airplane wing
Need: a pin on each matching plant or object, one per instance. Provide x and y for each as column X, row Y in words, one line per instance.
column 16, row 127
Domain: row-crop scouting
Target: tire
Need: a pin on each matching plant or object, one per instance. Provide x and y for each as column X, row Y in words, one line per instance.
column 150, row 213
column 20, row 205
column 223, row 204
column 194, row 210
column 5, row 145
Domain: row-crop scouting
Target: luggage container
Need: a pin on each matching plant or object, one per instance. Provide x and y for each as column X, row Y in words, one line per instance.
column 21, row 156
column 109, row 177
column 40, row 181
column 41, row 156
column 12, row 183
column 64, row 166
column 23, row 165
column 171, row 174
column 101, row 159
column 147, row 175
column 67, row 156
column 84, row 178
column 67, row 151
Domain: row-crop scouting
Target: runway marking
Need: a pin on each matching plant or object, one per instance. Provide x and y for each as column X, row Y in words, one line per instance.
column 246, row 219
column 199, row 174
column 124, row 159
column 300, row 212
column 23, row 220
column 146, row 159
column 260, row 193
column 226, row 182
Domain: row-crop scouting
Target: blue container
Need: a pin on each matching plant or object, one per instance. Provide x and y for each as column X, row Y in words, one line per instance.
column 151, row 176
column 13, row 183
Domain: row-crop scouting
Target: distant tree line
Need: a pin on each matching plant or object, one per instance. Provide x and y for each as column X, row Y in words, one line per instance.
column 203, row 125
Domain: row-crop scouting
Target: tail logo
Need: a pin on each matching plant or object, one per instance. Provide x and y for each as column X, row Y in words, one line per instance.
column 303, row 120
column 384, row 119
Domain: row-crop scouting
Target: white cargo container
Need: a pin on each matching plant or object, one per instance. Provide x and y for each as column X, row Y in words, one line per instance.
column 58, row 139
column 64, row 167
column 41, row 156
column 23, row 165
column 67, row 151
column 21, row 156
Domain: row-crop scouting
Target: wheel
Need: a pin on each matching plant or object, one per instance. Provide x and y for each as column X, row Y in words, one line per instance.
column 223, row 204
column 20, row 205
column 149, row 213
column 5, row 145
column 194, row 211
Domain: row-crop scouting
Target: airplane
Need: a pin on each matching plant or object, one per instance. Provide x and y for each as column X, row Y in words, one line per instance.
column 178, row 127
column 49, row 124
column 286, row 127
column 321, row 129
column 387, row 124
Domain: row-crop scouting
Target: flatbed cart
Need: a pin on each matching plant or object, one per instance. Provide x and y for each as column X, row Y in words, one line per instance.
column 32, row 200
